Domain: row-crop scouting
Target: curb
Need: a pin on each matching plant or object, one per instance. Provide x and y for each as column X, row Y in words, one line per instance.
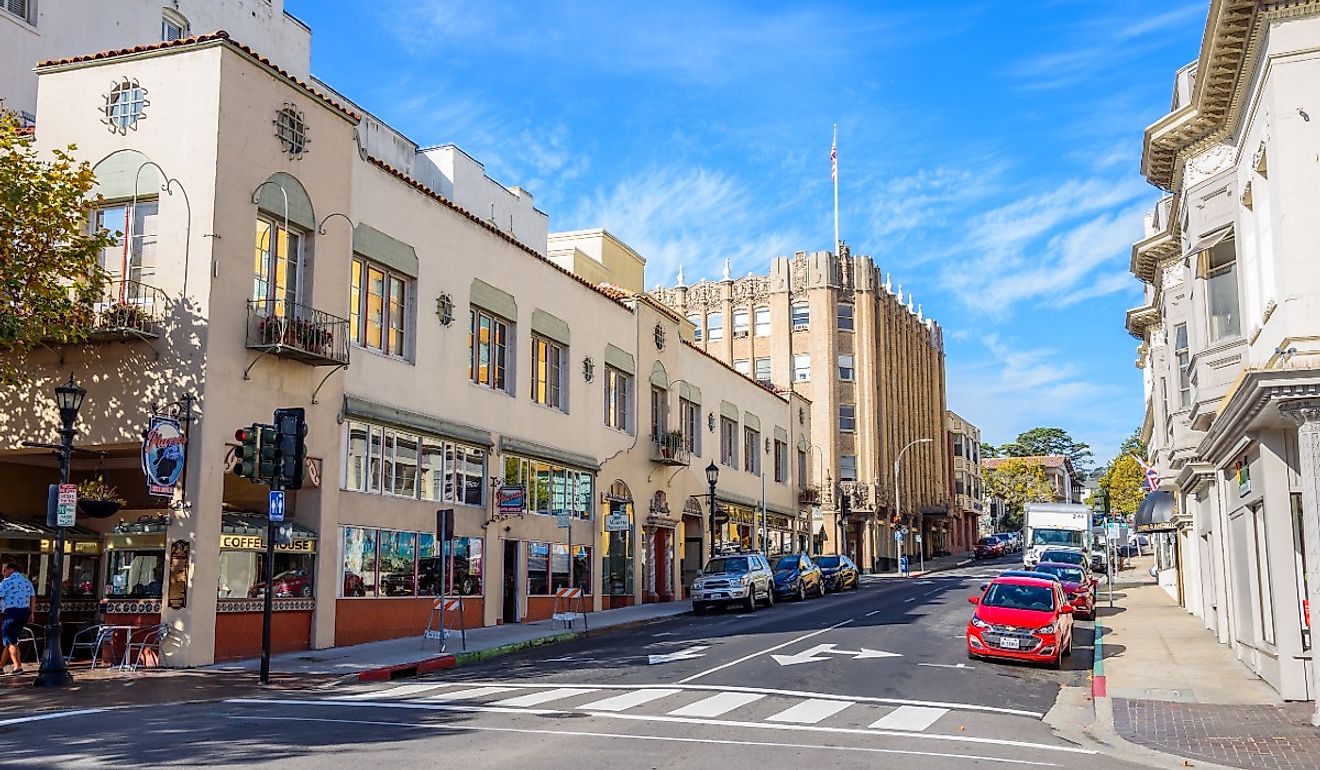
column 447, row 661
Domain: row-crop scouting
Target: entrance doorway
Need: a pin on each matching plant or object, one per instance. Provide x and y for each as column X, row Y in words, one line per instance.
column 510, row 581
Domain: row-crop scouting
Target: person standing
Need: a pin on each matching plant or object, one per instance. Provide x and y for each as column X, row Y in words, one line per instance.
column 18, row 599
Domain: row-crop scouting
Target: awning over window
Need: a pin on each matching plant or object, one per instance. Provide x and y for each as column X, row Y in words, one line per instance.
column 1156, row 512
column 33, row 530
column 1210, row 239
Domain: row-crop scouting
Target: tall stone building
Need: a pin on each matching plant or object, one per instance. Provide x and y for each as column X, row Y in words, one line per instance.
column 831, row 329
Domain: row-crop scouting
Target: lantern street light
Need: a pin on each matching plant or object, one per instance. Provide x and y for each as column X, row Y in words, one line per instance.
column 712, row 478
column 54, row 672
column 897, row 514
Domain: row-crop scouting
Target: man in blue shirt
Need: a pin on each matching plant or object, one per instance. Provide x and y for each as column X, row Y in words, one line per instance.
column 18, row 599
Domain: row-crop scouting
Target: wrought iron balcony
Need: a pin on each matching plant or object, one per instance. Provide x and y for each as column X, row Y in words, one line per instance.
column 128, row 310
column 299, row 332
column 670, row 449
column 809, row 495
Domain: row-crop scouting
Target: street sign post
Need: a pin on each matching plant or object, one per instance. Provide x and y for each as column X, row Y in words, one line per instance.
column 66, row 507
column 277, row 505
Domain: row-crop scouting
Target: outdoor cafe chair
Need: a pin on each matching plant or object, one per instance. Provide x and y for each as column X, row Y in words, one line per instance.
column 92, row 638
column 152, row 640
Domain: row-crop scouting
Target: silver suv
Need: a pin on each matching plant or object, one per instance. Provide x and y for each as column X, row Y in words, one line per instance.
column 742, row 579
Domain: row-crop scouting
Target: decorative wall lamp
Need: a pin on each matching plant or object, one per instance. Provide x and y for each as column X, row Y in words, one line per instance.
column 588, row 369
column 710, row 421
column 444, row 309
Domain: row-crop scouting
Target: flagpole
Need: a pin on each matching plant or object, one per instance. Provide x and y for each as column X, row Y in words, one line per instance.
column 834, row 171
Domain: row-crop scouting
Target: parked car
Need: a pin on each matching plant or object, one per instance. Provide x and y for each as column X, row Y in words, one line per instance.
column 797, row 576
column 1073, row 556
column 294, row 582
column 1077, row 586
column 839, row 572
column 354, row 585
column 988, row 548
column 1010, row 541
column 1021, row 618
column 742, row 579
column 1023, row 573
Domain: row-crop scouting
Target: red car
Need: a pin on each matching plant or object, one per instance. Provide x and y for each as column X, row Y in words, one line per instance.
column 1079, row 589
column 1021, row 618
column 294, row 582
column 989, row 548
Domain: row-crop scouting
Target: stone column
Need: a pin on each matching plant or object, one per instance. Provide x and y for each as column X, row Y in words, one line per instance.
column 1306, row 414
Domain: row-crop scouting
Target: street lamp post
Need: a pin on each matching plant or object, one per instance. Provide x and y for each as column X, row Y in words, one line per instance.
column 712, row 478
column 897, row 515
column 54, row 672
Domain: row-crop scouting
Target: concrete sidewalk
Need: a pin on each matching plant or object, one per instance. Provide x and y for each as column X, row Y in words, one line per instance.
column 936, row 564
column 1163, row 682
column 413, row 655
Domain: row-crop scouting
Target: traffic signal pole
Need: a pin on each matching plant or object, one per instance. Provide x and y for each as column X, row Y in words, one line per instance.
column 268, row 609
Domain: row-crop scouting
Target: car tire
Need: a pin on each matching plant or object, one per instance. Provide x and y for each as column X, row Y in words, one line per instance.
column 769, row 596
column 698, row 609
column 750, row 604
column 801, row 592
column 820, row 590
column 1057, row 662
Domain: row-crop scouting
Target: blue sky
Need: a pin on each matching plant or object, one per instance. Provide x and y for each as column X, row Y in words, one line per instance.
column 988, row 152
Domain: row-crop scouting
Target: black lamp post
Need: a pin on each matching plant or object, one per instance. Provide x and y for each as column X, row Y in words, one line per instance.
column 844, row 513
column 712, row 478
column 54, row 672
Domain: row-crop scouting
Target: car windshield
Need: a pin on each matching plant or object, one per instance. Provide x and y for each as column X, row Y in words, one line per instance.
column 293, row 573
column 735, row 565
column 828, row 562
column 1019, row 597
column 989, row 541
column 1072, row 574
column 788, row 562
column 1004, row 537
column 1066, row 557
column 1057, row 537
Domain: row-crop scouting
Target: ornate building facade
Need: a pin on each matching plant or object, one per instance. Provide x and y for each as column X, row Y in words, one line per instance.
column 830, row 328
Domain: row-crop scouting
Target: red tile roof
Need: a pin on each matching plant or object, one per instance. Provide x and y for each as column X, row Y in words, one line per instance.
column 197, row 40
column 1046, row 461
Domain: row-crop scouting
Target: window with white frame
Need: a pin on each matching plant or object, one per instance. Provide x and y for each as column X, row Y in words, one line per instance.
column 728, row 442
column 1181, row 354
column 801, row 316
column 133, row 256
column 715, row 326
column 488, row 349
column 659, row 413
column 752, row 450
column 781, row 461
column 845, row 317
column 551, row 487
column 847, row 467
column 761, row 319
column 689, row 414
column 742, row 366
column 23, row 9
column 696, row 319
column 801, row 367
column 378, row 307
column 172, row 26
column 741, row 326
column 761, row 370
column 388, row 461
column 1219, row 269
column 618, row 399
column 125, row 105
column 846, row 371
column 847, row 418
column 549, row 360
column 275, row 282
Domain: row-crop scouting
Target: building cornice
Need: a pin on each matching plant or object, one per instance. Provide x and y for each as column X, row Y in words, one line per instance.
column 1140, row 319
column 1255, row 391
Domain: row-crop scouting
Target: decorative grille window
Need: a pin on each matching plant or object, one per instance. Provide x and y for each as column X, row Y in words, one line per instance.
column 291, row 130
column 124, row 106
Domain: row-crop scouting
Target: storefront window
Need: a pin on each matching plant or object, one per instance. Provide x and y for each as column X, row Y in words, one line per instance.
column 538, row 569
column 558, row 567
column 398, row 553
column 242, row 574
column 360, row 567
column 582, row 568
column 414, row 465
column 82, row 571
column 550, row 488
column 238, row 574
column 465, row 566
column 135, row 574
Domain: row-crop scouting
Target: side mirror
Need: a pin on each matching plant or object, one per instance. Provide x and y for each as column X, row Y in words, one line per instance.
column 701, row 572
column 984, row 587
column 1095, row 581
column 974, row 599
column 1066, row 609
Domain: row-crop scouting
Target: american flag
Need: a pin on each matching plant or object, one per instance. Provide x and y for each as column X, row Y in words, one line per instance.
column 834, row 160
column 1152, row 475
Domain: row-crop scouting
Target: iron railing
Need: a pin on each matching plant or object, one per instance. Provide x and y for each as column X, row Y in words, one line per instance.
column 300, row 332
column 128, row 309
column 670, row 449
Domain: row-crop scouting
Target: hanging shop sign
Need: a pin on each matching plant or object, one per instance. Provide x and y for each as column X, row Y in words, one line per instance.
column 511, row 498
column 617, row 519
column 177, row 594
column 164, row 451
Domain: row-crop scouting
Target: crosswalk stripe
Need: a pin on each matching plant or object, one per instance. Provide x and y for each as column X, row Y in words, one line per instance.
column 628, row 700
column 401, row 691
column 468, row 694
column 537, row 698
column 716, row 705
column 810, row 711
column 914, row 718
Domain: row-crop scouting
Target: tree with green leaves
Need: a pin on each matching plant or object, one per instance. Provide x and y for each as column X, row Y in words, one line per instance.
column 1124, row 482
column 1039, row 442
column 989, row 450
column 1018, row 481
column 50, row 276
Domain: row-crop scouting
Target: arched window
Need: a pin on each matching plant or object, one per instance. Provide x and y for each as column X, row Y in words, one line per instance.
column 173, row 25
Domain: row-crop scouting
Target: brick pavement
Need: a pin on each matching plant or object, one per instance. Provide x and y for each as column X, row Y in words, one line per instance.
column 1264, row 737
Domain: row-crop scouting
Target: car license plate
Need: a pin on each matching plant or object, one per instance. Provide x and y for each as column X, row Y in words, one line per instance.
column 717, row 595
column 1009, row 643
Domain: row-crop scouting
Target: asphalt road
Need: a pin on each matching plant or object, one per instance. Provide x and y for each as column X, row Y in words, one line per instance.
column 876, row 677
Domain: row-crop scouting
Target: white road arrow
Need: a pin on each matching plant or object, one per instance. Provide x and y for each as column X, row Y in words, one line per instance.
column 809, row 656
column 670, row 657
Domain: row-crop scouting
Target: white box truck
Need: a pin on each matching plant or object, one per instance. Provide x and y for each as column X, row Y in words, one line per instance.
column 1054, row 525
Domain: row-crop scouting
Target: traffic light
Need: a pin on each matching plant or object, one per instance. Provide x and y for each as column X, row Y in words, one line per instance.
column 267, row 453
column 247, row 451
column 290, row 446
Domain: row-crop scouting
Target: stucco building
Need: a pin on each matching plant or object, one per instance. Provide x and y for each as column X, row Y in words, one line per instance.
column 965, row 474
column 830, row 328
column 1228, row 333
column 271, row 258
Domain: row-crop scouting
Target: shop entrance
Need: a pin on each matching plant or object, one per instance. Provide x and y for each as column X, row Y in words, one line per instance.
column 510, row 581
column 617, row 561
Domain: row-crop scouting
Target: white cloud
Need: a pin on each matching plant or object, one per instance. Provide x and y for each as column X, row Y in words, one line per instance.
column 688, row 216
column 1187, row 14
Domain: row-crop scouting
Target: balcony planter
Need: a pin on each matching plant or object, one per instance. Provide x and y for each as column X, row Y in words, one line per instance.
column 123, row 315
column 671, row 444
